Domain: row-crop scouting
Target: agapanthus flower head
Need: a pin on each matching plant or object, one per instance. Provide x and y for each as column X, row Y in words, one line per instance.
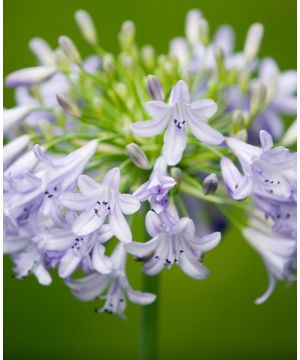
column 65, row 201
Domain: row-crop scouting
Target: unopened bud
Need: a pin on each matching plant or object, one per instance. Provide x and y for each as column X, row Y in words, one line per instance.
column 42, row 51
column 86, row 26
column 13, row 116
column 238, row 121
column 69, row 49
column 68, row 104
column 137, row 156
column 127, row 34
column 204, row 31
column 30, row 76
column 242, row 135
column 253, row 41
column 176, row 174
column 258, row 98
column 121, row 90
column 210, row 184
column 192, row 26
column 108, row 64
column 148, row 56
column 154, row 88
column 46, row 129
column 127, row 61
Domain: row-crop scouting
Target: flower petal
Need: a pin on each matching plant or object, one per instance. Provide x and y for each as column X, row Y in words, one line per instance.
column 139, row 297
column 42, row 275
column 88, row 186
column 174, row 145
column 77, row 201
column 265, row 140
column 158, row 110
column 149, row 128
column 101, row 263
column 193, row 267
column 104, row 233
column 87, row 222
column 202, row 109
column 68, row 264
column 288, row 82
column 112, row 179
column 205, row 132
column 153, row 223
column 129, row 204
column 119, row 225
column 224, row 39
column 142, row 250
column 180, row 93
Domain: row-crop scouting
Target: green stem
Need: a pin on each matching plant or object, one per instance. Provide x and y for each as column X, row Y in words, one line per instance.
column 150, row 323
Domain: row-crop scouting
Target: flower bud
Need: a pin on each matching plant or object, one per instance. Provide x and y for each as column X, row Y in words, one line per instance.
column 148, row 57
column 42, row 52
column 127, row 34
column 253, row 41
column 69, row 48
column 154, row 88
column 258, row 98
column 176, row 174
column 238, row 121
column 46, row 129
column 242, row 135
column 290, row 137
column 121, row 90
column 29, row 76
column 210, row 184
column 86, row 26
column 192, row 26
column 68, row 104
column 204, row 31
column 108, row 64
column 12, row 117
column 137, row 156
column 126, row 61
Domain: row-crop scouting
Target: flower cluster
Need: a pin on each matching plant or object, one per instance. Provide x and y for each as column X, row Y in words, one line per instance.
column 66, row 205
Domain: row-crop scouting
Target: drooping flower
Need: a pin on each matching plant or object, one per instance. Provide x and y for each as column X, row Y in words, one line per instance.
column 155, row 190
column 72, row 251
column 173, row 241
column 98, row 201
column 114, row 284
column 270, row 172
column 176, row 116
column 278, row 253
column 41, row 190
column 24, row 252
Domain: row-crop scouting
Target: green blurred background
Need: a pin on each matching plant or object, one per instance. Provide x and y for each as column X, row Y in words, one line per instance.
column 211, row 319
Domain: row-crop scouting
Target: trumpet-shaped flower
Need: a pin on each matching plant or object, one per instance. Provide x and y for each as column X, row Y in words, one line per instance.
column 41, row 190
column 270, row 172
column 155, row 190
column 278, row 253
column 98, row 201
column 173, row 241
column 114, row 284
column 176, row 116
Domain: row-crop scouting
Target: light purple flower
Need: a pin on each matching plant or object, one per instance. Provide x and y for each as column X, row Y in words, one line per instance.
column 269, row 172
column 155, row 190
column 176, row 116
column 98, row 201
column 114, row 284
column 24, row 252
column 41, row 190
column 277, row 251
column 71, row 250
column 14, row 148
column 173, row 241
